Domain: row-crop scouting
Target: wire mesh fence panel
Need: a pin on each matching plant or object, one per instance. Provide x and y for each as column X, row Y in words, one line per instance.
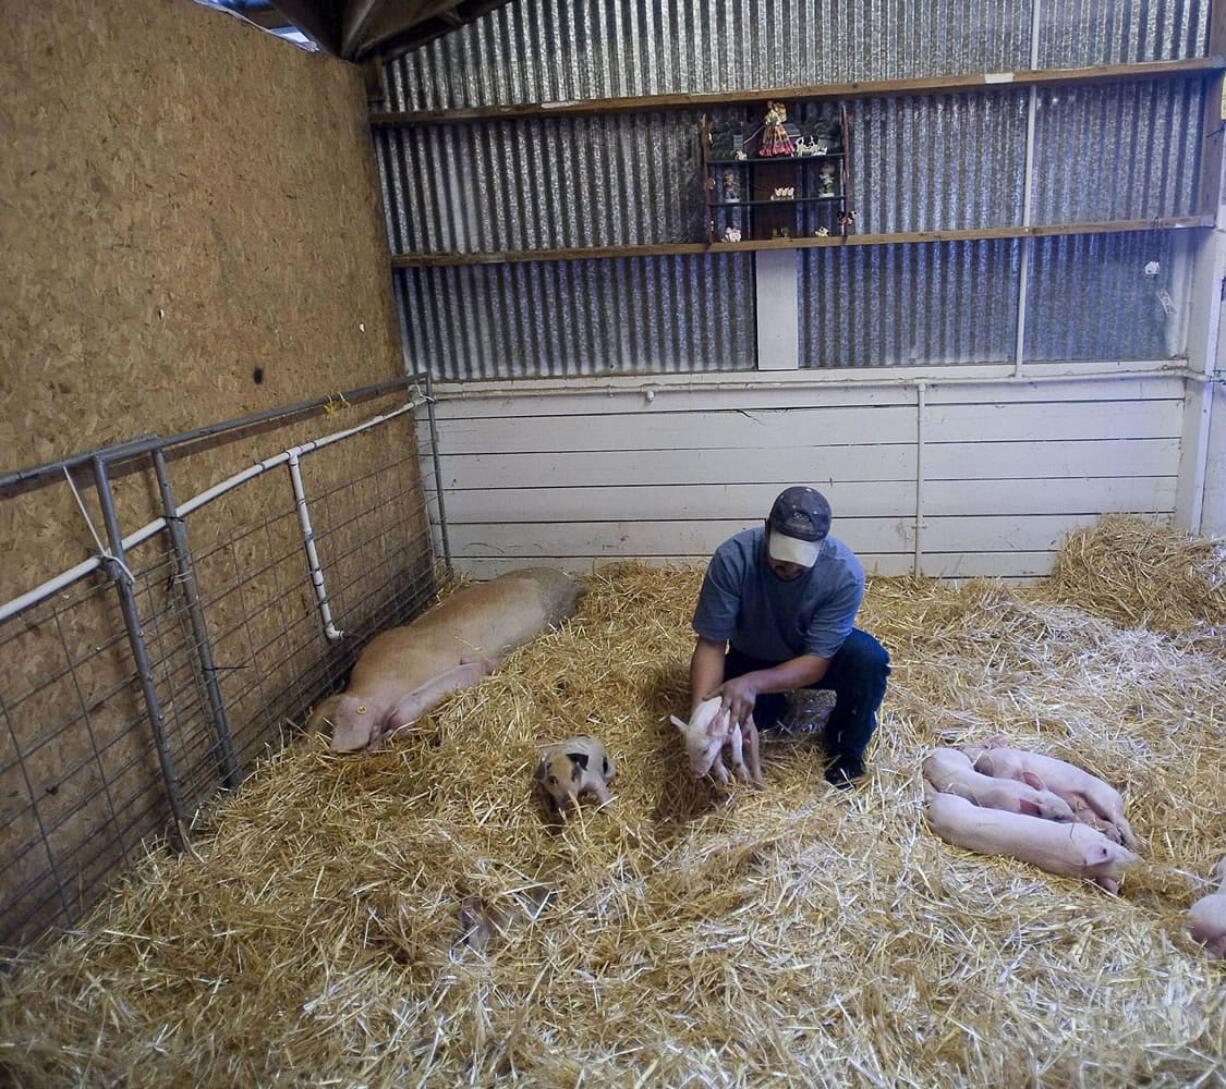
column 79, row 778
column 81, row 785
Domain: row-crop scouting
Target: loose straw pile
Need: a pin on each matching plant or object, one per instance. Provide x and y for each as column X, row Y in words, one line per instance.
column 1140, row 574
column 796, row 936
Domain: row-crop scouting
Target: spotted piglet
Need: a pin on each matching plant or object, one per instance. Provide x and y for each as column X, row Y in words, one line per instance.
column 568, row 769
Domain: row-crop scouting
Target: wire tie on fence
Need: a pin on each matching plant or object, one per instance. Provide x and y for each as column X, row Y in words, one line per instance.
column 104, row 553
column 333, row 407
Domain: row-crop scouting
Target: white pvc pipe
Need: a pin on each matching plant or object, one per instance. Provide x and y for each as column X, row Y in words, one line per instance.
column 308, row 541
column 1162, row 369
column 46, row 589
column 66, row 578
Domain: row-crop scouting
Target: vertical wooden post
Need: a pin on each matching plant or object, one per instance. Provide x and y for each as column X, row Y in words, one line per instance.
column 1203, row 447
column 1210, row 188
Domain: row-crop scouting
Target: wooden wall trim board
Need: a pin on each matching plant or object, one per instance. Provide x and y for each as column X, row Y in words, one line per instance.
column 593, row 475
column 714, row 502
column 698, row 539
column 1003, row 462
column 1014, row 567
column 669, row 249
column 1188, row 68
column 797, row 429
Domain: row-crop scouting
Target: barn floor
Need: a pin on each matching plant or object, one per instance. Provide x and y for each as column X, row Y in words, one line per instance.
column 795, row 935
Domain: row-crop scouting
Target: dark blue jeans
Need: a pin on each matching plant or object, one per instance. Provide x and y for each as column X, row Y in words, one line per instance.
column 857, row 676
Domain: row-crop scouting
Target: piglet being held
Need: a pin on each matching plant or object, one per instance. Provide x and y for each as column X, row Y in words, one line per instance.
column 711, row 728
column 570, row 768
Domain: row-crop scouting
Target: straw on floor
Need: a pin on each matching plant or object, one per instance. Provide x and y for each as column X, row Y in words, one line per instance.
column 798, row 935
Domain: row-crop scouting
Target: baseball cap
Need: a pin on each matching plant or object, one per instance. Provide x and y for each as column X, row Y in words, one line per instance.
column 799, row 522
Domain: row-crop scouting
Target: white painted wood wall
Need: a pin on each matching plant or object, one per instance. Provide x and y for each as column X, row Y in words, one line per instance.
column 579, row 472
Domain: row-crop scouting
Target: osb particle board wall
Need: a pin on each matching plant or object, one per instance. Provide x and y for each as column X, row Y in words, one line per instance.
column 183, row 199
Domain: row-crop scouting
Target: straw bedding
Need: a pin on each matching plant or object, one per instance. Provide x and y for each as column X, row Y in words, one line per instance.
column 799, row 935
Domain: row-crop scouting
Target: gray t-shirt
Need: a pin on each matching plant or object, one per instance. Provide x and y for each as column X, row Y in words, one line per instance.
column 744, row 603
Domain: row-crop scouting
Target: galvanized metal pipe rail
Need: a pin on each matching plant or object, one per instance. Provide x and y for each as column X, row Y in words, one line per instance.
column 200, row 633
column 117, row 569
column 118, row 453
column 151, row 529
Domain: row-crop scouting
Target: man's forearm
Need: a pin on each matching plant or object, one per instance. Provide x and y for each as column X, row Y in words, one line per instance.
column 706, row 671
column 800, row 672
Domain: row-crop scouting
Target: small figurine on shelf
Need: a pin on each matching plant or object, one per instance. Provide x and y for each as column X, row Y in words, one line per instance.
column 726, row 139
column 784, row 192
column 775, row 138
column 826, row 135
column 806, row 146
column 731, row 191
column 847, row 219
column 739, row 154
column 825, row 180
column 821, row 232
column 732, row 234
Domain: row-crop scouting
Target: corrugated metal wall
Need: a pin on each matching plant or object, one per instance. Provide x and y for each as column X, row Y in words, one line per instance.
column 535, row 184
column 553, row 50
column 938, row 162
column 890, row 306
column 919, row 163
column 1128, row 151
column 631, row 315
column 1090, row 296
column 1079, row 33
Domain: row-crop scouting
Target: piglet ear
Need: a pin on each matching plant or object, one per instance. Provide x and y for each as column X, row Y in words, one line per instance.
column 1032, row 781
column 542, row 769
column 1096, row 854
column 1025, row 805
column 718, row 724
column 682, row 726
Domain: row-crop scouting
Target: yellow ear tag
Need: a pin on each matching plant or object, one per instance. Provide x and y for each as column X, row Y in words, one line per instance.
column 362, row 710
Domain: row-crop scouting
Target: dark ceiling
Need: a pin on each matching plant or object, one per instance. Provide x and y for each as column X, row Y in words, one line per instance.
column 359, row 30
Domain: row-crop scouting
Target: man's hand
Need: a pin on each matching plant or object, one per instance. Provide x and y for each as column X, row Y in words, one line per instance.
column 739, row 695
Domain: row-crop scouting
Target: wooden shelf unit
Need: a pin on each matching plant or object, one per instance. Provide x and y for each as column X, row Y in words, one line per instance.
column 765, row 216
